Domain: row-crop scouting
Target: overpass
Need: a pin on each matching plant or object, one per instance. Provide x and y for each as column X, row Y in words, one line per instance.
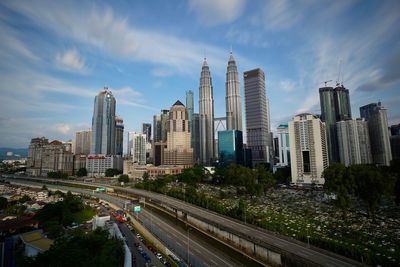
column 257, row 243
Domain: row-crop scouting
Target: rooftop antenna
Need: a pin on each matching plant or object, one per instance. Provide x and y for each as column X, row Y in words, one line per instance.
column 342, row 77
column 205, row 54
column 231, row 49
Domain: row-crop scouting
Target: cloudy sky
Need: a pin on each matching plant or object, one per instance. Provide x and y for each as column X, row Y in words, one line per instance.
column 55, row 56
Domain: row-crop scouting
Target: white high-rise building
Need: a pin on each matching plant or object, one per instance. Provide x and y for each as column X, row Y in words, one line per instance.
column 206, row 113
column 137, row 147
column 353, row 141
column 233, row 99
column 308, row 149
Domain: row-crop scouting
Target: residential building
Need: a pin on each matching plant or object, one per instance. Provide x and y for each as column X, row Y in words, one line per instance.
column 97, row 164
column 233, row 99
column 230, row 147
column 259, row 136
column 79, row 162
column 206, row 113
column 335, row 106
column 44, row 157
column 137, row 147
column 375, row 115
column 309, row 155
column 103, row 123
column 82, row 142
column 353, row 141
column 283, row 145
column 178, row 150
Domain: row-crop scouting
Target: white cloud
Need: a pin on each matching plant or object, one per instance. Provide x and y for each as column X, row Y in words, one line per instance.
column 287, row 85
column 101, row 29
column 214, row 12
column 71, row 60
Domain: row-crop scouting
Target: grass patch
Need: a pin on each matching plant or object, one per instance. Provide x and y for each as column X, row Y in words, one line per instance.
column 84, row 215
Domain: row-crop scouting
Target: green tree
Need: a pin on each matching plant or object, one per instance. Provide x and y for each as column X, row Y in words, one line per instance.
column 81, row 172
column 3, row 203
column 145, row 176
column 95, row 248
column 264, row 178
column 282, row 175
column 370, row 186
column 24, row 199
column 338, row 181
column 112, row 172
column 123, row 178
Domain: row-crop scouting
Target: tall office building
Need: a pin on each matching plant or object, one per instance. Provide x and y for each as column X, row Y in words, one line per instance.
column 230, row 147
column 309, row 157
column 82, row 142
column 103, row 124
column 164, row 124
column 189, row 105
column 283, row 146
column 119, row 136
column 259, row 137
column 206, row 112
column 137, row 147
column 335, row 106
column 195, row 135
column 353, row 141
column 146, row 129
column 178, row 150
column 375, row 115
column 233, row 99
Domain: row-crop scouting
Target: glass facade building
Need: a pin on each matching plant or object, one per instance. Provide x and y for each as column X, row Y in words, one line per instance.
column 230, row 147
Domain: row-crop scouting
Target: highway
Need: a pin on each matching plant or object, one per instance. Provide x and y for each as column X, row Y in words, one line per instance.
column 202, row 253
column 256, row 234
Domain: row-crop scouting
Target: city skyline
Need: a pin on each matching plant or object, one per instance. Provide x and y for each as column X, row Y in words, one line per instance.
column 57, row 56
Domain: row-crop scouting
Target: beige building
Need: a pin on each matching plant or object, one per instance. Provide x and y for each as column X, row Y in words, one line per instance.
column 44, row 157
column 178, row 150
column 82, row 142
column 135, row 171
column 308, row 150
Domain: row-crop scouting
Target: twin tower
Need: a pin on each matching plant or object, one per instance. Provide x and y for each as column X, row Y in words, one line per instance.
column 206, row 108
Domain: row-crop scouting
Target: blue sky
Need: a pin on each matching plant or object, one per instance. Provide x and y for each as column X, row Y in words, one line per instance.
column 55, row 56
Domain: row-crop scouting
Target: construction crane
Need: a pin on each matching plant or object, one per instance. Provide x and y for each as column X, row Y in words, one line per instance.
column 327, row 82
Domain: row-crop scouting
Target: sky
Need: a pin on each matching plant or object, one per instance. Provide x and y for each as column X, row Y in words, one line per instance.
column 55, row 56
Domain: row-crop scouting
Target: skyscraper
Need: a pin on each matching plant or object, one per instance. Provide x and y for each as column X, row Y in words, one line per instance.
column 146, row 129
column 233, row 99
column 309, row 157
column 353, row 141
column 206, row 112
column 375, row 115
column 335, row 106
column 103, row 124
column 82, row 142
column 137, row 147
column 195, row 134
column 283, row 145
column 230, row 147
column 259, row 138
column 189, row 105
column 178, row 150
column 119, row 136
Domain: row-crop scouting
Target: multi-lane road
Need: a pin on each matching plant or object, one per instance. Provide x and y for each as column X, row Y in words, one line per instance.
column 255, row 234
column 184, row 242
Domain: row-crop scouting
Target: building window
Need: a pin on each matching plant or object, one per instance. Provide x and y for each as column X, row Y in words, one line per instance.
column 306, row 161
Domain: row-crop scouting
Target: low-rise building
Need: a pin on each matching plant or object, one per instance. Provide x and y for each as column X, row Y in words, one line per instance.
column 97, row 165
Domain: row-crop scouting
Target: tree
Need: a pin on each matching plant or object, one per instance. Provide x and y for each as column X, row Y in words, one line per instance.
column 264, row 178
column 81, row 172
column 112, row 172
column 370, row 185
column 123, row 178
column 145, row 176
column 338, row 180
column 44, row 187
column 95, row 248
column 3, row 203
column 24, row 199
column 282, row 175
